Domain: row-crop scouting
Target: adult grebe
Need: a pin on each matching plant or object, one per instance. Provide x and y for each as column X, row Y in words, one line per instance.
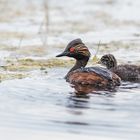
column 82, row 77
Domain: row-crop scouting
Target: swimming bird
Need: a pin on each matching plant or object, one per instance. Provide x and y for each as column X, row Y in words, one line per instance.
column 126, row 72
column 87, row 78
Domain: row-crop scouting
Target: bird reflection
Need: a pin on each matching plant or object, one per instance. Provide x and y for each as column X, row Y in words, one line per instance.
column 78, row 101
column 82, row 90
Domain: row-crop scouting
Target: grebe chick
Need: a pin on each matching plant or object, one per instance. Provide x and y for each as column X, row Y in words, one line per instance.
column 126, row 72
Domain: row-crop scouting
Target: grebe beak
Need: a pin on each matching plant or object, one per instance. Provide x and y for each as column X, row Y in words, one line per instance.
column 62, row 54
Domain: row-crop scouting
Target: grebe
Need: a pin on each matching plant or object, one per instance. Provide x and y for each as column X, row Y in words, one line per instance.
column 126, row 72
column 82, row 78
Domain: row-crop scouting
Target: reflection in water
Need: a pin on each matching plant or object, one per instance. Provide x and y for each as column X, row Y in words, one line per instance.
column 72, row 123
column 85, row 89
column 82, row 90
column 129, row 85
column 76, row 106
column 78, row 101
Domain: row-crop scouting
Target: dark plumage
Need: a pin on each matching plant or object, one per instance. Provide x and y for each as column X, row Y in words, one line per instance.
column 82, row 78
column 126, row 72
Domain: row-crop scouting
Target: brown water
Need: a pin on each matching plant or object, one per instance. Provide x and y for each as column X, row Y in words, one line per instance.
column 34, row 97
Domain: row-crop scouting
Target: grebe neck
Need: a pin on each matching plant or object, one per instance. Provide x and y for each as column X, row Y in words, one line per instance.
column 79, row 64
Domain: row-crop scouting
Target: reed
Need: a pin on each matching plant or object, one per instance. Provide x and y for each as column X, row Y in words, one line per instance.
column 44, row 26
column 95, row 58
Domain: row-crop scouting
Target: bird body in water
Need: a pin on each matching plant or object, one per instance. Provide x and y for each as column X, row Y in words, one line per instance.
column 87, row 78
column 126, row 72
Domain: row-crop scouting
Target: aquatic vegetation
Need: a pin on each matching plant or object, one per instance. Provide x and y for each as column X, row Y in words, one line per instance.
column 10, row 76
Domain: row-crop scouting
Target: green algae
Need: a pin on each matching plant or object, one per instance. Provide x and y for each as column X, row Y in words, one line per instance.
column 23, row 67
column 27, row 64
column 10, row 76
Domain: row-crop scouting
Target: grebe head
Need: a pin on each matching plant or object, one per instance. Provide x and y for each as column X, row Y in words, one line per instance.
column 76, row 49
column 108, row 60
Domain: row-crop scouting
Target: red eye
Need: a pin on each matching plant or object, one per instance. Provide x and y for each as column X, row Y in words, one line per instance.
column 72, row 49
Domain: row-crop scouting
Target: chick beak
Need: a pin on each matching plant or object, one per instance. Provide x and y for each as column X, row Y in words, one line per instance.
column 99, row 62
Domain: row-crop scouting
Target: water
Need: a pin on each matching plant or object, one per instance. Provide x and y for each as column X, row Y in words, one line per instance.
column 42, row 105
column 45, row 104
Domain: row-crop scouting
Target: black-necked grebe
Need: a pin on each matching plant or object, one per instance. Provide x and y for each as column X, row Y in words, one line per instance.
column 126, row 72
column 95, row 77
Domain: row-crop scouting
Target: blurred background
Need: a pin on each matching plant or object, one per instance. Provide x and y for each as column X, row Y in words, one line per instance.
column 40, row 28
column 35, row 100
